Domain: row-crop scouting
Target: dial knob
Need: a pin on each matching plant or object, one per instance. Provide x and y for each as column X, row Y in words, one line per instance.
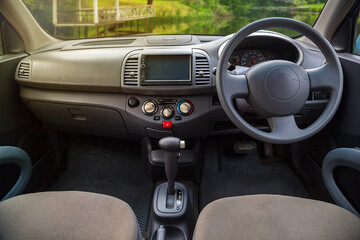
column 149, row 107
column 167, row 112
column 185, row 107
column 133, row 102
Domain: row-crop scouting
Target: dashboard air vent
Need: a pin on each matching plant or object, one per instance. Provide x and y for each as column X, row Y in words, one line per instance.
column 202, row 69
column 131, row 71
column 24, row 70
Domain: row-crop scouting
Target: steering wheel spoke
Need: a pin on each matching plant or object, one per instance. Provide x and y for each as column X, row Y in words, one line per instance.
column 235, row 86
column 322, row 78
column 284, row 126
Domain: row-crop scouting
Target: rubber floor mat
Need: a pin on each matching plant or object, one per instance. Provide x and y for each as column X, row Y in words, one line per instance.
column 108, row 166
column 227, row 174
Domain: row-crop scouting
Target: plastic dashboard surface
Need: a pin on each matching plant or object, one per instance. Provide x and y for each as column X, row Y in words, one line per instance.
column 100, row 67
column 73, row 85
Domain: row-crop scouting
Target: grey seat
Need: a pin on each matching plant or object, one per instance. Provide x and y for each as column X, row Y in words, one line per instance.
column 275, row 217
column 67, row 215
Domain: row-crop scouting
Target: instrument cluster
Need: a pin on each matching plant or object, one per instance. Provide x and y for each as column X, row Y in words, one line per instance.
column 250, row 57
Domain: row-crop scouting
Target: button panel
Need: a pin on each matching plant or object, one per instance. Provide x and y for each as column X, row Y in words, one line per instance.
column 319, row 95
column 154, row 110
column 150, row 108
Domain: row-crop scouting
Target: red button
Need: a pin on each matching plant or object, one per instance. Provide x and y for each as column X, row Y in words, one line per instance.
column 167, row 124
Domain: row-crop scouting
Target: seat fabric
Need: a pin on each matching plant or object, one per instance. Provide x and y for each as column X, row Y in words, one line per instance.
column 275, row 217
column 67, row 215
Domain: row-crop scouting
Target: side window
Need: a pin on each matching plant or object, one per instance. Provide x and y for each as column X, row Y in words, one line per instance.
column 357, row 36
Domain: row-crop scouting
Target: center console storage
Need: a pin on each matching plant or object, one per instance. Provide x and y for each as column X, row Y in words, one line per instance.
column 174, row 216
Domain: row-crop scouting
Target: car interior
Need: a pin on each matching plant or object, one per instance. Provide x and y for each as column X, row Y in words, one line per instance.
column 248, row 135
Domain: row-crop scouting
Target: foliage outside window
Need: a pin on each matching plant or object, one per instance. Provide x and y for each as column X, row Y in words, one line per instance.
column 74, row 19
column 357, row 40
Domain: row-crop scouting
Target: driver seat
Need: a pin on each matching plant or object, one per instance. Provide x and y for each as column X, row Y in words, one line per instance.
column 275, row 217
column 67, row 215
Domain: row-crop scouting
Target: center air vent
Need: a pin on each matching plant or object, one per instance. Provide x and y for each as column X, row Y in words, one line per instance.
column 23, row 72
column 202, row 69
column 131, row 71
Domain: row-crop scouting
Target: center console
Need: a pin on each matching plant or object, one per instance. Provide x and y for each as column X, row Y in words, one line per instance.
column 155, row 80
column 173, row 212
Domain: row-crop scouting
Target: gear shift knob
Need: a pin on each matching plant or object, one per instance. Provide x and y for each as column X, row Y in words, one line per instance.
column 171, row 144
column 171, row 147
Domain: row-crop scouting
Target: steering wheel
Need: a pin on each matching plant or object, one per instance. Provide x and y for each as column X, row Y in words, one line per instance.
column 278, row 89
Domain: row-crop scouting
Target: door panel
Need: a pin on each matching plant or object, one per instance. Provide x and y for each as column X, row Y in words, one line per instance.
column 18, row 127
column 346, row 125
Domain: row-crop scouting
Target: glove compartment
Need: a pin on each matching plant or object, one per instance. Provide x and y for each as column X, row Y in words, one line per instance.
column 78, row 118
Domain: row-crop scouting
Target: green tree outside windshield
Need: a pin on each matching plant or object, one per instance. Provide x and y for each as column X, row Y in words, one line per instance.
column 212, row 17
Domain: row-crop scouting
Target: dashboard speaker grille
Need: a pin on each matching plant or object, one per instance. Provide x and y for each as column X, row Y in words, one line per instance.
column 202, row 69
column 24, row 70
column 131, row 71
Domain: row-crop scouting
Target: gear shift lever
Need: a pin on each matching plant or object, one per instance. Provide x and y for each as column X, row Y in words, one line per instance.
column 171, row 147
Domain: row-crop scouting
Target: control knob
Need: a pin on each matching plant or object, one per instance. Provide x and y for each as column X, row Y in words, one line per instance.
column 167, row 112
column 133, row 102
column 185, row 107
column 149, row 107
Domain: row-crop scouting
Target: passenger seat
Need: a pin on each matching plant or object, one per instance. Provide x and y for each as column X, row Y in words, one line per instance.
column 67, row 215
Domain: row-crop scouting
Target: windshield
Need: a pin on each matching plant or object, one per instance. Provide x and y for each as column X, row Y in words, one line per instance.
column 75, row 19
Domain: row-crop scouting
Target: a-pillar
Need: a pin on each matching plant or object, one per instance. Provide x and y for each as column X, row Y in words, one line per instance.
column 54, row 17
column 96, row 17
column 96, row 12
column 79, row 13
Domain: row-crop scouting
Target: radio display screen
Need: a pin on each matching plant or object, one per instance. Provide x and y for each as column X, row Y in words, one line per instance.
column 162, row 69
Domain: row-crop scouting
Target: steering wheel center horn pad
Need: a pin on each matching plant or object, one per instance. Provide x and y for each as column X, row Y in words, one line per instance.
column 277, row 88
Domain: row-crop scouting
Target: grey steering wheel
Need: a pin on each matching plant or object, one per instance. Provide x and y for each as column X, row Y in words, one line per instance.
column 278, row 89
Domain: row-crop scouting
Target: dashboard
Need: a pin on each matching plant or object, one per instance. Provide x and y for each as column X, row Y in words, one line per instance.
column 148, row 86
